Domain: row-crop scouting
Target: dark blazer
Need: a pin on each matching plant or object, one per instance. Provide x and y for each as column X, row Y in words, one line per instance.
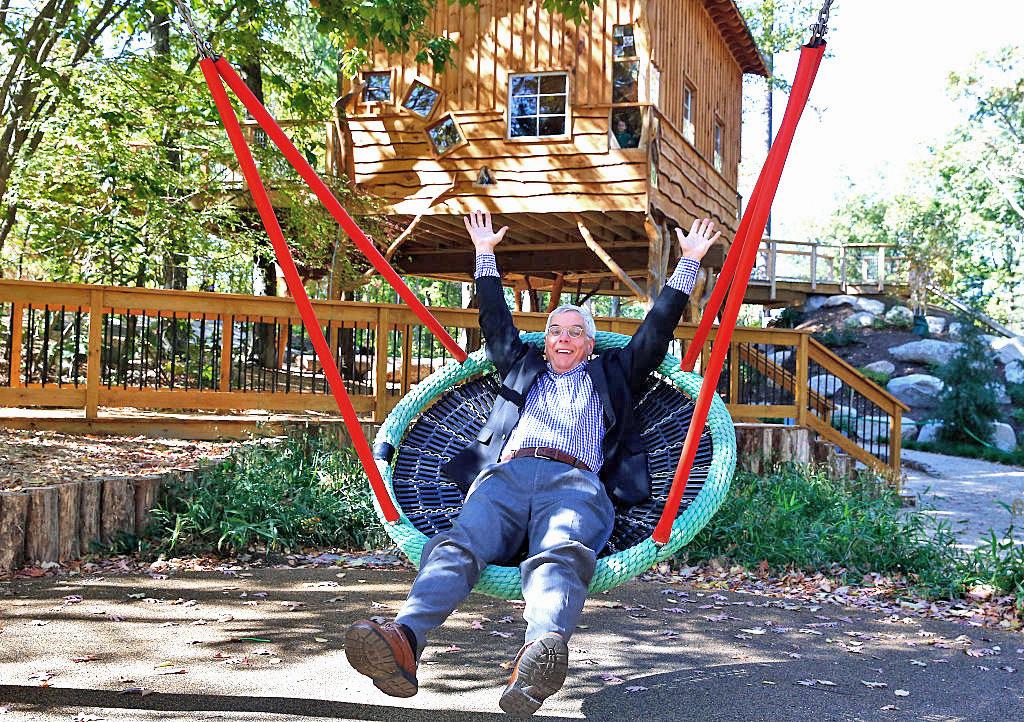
column 618, row 375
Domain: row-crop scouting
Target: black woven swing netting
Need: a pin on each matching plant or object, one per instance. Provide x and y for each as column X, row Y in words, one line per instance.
column 432, row 502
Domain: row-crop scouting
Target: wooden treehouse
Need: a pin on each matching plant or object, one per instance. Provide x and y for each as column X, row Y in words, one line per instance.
column 590, row 141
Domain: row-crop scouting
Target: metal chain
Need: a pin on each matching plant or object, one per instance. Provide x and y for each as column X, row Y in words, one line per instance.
column 819, row 28
column 203, row 45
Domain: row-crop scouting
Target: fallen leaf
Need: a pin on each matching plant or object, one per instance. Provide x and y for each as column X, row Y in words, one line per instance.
column 610, row 678
column 82, row 717
column 141, row 691
column 320, row 639
column 85, row 658
column 754, row 630
column 140, row 595
column 180, row 670
column 503, row 635
column 918, row 663
column 873, row 685
column 901, row 693
column 636, row 688
column 888, row 708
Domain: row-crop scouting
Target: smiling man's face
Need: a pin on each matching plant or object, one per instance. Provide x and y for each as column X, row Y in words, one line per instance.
column 564, row 352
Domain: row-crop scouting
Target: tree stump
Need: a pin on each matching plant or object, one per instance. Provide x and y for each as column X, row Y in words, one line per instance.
column 42, row 533
column 90, row 493
column 13, row 520
column 146, row 490
column 68, row 496
column 117, row 508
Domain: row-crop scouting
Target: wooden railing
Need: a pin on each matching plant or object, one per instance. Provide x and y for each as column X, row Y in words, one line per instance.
column 78, row 346
column 873, row 265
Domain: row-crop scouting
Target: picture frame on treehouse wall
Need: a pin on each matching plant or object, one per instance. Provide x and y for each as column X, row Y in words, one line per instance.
column 421, row 99
column 445, row 136
column 377, row 88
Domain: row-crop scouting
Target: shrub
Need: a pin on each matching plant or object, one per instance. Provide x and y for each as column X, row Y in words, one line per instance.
column 967, row 406
column 834, row 338
column 877, row 376
column 303, row 491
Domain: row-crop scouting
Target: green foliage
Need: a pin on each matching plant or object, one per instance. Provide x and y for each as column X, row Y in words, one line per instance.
column 877, row 376
column 967, row 404
column 303, row 491
column 836, row 337
column 971, row 451
column 799, row 518
column 789, row 317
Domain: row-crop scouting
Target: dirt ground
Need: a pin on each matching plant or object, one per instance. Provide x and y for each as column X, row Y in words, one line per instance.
column 34, row 458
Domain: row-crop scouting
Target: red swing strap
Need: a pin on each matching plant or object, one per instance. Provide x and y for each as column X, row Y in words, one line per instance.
column 747, row 241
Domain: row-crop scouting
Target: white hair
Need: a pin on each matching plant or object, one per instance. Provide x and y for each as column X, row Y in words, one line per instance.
column 588, row 320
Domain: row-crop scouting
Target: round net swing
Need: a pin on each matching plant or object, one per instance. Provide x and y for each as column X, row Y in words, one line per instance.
column 443, row 414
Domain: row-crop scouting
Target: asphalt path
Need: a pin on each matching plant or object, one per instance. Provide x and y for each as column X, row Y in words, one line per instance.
column 267, row 644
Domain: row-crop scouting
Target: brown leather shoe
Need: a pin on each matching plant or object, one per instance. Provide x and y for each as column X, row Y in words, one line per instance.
column 382, row 652
column 538, row 672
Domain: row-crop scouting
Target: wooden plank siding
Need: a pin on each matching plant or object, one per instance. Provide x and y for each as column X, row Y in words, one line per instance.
column 389, row 155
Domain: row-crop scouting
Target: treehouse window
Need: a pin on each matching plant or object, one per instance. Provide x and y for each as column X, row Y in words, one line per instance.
column 626, row 68
column 627, row 126
column 377, row 86
column 421, row 99
column 445, row 135
column 538, row 105
column 718, row 133
column 688, row 129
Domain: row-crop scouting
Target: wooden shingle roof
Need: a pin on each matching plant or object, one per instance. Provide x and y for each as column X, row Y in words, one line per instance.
column 734, row 29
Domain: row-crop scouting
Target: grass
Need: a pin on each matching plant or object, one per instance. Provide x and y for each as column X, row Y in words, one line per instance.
column 303, row 491
column 800, row 518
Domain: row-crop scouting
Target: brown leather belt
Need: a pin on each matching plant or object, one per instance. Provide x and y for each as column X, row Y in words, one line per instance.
column 546, row 452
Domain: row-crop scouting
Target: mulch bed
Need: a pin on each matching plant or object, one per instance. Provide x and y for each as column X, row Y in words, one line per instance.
column 36, row 458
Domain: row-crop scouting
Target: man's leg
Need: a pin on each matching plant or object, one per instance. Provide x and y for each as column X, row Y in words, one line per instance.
column 571, row 519
column 490, row 528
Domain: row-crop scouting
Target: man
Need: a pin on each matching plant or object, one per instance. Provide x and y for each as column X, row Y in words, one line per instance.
column 559, row 446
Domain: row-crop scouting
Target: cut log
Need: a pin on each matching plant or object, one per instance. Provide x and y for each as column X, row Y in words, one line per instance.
column 117, row 508
column 146, row 490
column 43, row 528
column 90, row 492
column 13, row 520
column 68, row 521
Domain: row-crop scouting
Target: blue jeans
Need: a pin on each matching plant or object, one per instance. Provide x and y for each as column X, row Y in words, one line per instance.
column 565, row 514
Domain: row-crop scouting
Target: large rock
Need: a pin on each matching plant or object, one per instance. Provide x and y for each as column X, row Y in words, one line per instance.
column 779, row 357
column 916, row 389
column 900, row 316
column 881, row 367
column 999, row 391
column 840, row 300
column 908, row 429
column 876, row 308
column 954, row 329
column 813, row 303
column 936, row 324
column 872, row 428
column 1003, row 437
column 825, row 384
column 1015, row 372
column 1009, row 349
column 861, row 319
column 927, row 351
column 929, row 432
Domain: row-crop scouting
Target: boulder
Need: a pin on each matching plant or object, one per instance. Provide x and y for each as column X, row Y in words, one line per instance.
column 929, row 432
column 936, row 324
column 999, row 391
column 813, row 303
column 1015, row 372
column 900, row 316
column 875, row 308
column 916, row 389
column 825, row 384
column 954, row 329
column 861, row 319
column 1009, row 349
column 872, row 428
column 882, row 367
column 840, row 300
column 779, row 357
column 908, row 429
column 927, row 351
column 1003, row 437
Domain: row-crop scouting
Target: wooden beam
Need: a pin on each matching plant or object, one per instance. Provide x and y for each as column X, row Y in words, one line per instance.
column 614, row 267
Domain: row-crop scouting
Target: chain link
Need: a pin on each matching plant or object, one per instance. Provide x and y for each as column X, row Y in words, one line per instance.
column 203, row 45
column 819, row 28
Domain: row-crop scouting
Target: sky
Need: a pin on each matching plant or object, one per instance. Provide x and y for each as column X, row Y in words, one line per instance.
column 881, row 100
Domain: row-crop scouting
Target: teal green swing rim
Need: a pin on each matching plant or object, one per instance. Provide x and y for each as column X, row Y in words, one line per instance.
column 613, row 570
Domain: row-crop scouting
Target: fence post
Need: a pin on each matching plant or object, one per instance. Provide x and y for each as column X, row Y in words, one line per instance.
column 772, row 249
column 814, row 267
column 842, row 268
column 881, row 268
column 380, row 365
column 16, row 335
column 227, row 330
column 895, row 444
column 802, row 395
column 734, row 372
column 92, row 369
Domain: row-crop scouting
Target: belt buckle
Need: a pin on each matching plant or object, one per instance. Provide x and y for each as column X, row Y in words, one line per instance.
column 538, row 455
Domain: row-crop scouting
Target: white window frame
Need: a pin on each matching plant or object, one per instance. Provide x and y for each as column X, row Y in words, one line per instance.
column 567, row 135
column 689, row 129
column 718, row 144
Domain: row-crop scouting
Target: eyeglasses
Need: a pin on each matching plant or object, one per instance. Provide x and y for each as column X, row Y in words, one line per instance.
column 573, row 331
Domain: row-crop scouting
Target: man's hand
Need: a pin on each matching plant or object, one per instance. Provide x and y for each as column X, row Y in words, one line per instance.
column 699, row 240
column 478, row 223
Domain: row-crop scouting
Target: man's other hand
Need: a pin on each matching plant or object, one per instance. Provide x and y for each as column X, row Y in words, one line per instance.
column 699, row 240
column 478, row 223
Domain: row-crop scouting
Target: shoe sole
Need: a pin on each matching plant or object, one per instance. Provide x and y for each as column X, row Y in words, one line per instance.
column 541, row 673
column 370, row 654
